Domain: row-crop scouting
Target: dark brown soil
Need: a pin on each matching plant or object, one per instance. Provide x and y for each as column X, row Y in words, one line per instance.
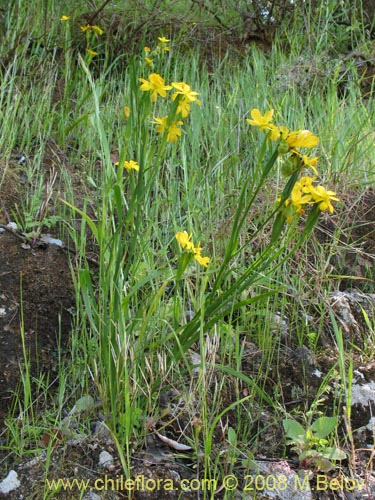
column 36, row 295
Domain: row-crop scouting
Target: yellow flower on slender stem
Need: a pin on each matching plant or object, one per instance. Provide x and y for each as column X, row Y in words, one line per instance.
column 259, row 120
column 90, row 27
column 183, row 108
column 311, row 162
column 298, row 198
column 64, row 18
column 161, row 123
column 156, row 85
column 203, row 261
column 324, row 198
column 185, row 90
column 129, row 165
column 306, row 183
column 276, row 133
column 162, row 39
column 184, row 240
column 302, row 139
column 173, row 131
column 91, row 53
column 147, row 50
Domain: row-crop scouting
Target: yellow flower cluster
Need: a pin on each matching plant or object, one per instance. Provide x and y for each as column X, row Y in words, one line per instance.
column 304, row 191
column 289, row 141
column 183, row 92
column 173, row 131
column 95, row 29
column 161, row 47
column 185, row 242
column 91, row 31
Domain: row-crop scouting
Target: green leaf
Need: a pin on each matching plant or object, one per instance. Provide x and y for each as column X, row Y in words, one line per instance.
column 117, row 193
column 323, row 464
column 324, row 426
column 310, row 454
column 294, row 430
column 232, row 436
column 89, row 300
column 334, row 453
column 89, row 221
column 277, row 227
column 84, row 403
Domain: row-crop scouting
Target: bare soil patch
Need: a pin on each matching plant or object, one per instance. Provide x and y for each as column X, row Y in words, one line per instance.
column 36, row 296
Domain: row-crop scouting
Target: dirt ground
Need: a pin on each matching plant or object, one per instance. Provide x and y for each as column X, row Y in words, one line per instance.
column 36, row 297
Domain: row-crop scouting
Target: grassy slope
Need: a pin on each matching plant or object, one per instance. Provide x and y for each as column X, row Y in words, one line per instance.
column 45, row 92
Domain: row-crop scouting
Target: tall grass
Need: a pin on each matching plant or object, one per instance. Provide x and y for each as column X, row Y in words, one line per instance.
column 148, row 316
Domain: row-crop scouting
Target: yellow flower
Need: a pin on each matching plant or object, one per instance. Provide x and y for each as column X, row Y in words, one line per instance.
column 131, row 165
column 161, row 123
column 298, row 198
column 302, row 139
column 184, row 240
column 64, row 18
column 156, row 85
column 162, row 39
column 97, row 30
column 173, row 131
column 277, row 133
column 259, row 120
column 185, row 90
column 126, row 111
column 283, row 131
column 203, row 261
column 311, row 162
column 147, row 50
column 90, row 27
column 92, row 53
column 306, row 183
column 149, row 61
column 324, row 198
column 183, row 108
column 274, row 130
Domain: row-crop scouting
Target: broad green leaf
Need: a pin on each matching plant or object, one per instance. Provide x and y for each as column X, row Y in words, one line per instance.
column 294, row 430
column 324, row 426
column 334, row 454
column 84, row 403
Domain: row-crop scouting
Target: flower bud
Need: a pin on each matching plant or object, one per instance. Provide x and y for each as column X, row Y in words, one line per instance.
column 290, row 165
column 283, row 147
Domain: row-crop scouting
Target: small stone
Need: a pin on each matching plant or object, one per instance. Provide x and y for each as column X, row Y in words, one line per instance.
column 105, row 459
column 12, row 226
column 10, row 483
column 102, row 431
column 91, row 496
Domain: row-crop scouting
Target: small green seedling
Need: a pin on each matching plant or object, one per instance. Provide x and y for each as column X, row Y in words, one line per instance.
column 311, row 443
